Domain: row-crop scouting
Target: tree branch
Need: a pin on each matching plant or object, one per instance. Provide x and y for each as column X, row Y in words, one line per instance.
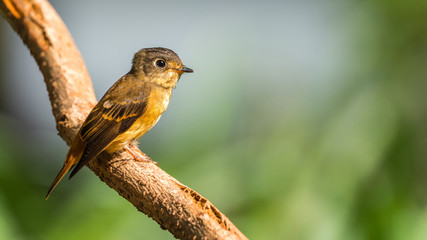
column 177, row 208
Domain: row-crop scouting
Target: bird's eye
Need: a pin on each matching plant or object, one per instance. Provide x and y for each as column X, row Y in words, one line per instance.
column 160, row 63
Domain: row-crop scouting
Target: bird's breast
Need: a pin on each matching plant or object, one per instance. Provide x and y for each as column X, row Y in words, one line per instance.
column 157, row 103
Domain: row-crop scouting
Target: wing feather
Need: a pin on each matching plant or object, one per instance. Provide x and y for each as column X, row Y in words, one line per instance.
column 104, row 124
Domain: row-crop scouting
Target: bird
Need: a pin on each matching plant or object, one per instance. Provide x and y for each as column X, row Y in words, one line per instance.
column 128, row 110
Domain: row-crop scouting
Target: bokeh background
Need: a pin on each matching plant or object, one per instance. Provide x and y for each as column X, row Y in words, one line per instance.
column 303, row 119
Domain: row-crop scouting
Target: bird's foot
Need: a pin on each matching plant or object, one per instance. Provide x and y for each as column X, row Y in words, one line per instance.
column 138, row 155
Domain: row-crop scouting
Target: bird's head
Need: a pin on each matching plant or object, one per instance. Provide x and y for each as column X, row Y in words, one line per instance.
column 160, row 66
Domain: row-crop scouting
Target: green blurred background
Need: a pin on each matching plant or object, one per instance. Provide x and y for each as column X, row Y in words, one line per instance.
column 303, row 119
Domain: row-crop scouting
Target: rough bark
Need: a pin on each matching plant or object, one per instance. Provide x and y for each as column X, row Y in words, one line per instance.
column 177, row 208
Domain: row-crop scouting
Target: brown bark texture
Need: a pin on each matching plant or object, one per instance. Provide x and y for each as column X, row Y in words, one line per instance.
column 177, row 208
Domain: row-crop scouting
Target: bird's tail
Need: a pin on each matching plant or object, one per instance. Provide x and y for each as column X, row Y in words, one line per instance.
column 73, row 156
column 58, row 178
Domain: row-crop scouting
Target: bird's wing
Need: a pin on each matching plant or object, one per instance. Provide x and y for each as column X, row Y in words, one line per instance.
column 105, row 123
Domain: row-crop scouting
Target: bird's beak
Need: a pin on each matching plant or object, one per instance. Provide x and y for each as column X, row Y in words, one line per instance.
column 184, row 69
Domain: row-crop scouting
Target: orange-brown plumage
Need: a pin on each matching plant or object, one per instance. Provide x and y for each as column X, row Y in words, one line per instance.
column 129, row 109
